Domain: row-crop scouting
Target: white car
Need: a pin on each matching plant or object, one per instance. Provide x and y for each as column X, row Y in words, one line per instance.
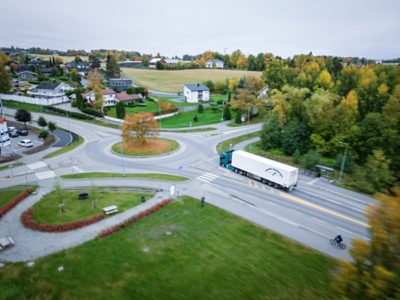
column 6, row 242
column 25, row 143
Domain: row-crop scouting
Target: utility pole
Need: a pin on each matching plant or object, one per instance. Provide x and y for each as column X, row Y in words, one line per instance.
column 343, row 161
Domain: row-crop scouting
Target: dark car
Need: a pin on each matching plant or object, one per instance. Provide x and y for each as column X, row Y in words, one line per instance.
column 22, row 132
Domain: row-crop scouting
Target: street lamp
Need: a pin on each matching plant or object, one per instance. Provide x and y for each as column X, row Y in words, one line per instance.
column 343, row 160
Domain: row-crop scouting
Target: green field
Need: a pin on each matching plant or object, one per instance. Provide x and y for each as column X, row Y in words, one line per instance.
column 156, row 176
column 211, row 254
column 185, row 119
column 8, row 194
column 10, row 166
column 224, row 146
column 172, row 81
column 47, row 210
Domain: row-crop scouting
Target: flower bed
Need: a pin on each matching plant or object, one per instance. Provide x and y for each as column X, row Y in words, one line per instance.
column 17, row 199
column 133, row 219
column 27, row 220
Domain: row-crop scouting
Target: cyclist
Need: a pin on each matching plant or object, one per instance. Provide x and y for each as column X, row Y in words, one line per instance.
column 338, row 239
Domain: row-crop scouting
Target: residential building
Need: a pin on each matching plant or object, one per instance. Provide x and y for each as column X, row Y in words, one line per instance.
column 49, row 89
column 195, row 92
column 80, row 66
column 26, row 75
column 214, row 64
column 128, row 99
column 153, row 62
column 130, row 63
column 111, row 98
column 121, row 84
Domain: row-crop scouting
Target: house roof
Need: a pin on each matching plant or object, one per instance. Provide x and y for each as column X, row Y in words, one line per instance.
column 48, row 85
column 216, row 60
column 23, row 72
column 155, row 60
column 196, row 87
column 126, row 97
column 119, row 79
column 108, row 92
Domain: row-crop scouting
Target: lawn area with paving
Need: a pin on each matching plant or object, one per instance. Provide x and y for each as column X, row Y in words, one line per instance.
column 151, row 106
column 209, row 254
column 47, row 210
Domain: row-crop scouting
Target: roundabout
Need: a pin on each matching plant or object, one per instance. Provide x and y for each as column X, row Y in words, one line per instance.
column 153, row 147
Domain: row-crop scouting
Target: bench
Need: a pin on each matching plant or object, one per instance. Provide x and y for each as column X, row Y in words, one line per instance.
column 6, row 242
column 110, row 209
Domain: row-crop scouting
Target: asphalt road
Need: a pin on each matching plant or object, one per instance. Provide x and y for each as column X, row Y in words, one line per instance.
column 312, row 214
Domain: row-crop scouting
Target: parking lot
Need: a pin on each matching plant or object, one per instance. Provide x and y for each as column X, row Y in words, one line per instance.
column 17, row 149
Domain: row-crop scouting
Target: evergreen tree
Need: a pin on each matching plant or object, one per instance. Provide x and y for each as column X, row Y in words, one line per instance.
column 22, row 115
column 42, row 122
column 120, row 109
column 227, row 113
column 200, row 108
column 238, row 117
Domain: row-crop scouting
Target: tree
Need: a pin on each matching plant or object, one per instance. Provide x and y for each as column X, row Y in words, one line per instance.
column 271, row 133
column 311, row 159
column 95, row 83
column 78, row 59
column 227, row 113
column 80, row 103
column 112, row 67
column 251, row 63
column 238, row 117
column 200, row 108
column 120, row 109
column 74, row 74
column 22, row 115
column 375, row 272
column 137, row 128
column 5, row 76
column 378, row 165
column 42, row 122
column 43, row 134
column 51, row 126
column 295, row 137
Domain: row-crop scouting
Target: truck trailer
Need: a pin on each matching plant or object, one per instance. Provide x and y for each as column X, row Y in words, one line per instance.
column 265, row 170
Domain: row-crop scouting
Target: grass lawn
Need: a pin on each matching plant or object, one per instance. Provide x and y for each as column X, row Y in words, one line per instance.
column 204, row 129
column 47, row 210
column 183, row 119
column 8, row 194
column 211, row 254
column 28, row 106
column 151, row 106
column 14, row 165
column 65, row 148
column 173, row 81
column 167, row 177
column 155, row 146
column 224, row 146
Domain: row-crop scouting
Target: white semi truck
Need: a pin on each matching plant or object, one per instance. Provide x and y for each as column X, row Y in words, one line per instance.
column 260, row 168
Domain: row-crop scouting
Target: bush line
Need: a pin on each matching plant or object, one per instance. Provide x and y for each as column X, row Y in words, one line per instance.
column 17, row 199
column 135, row 218
column 27, row 220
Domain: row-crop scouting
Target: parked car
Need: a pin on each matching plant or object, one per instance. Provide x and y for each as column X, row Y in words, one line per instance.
column 22, row 132
column 6, row 242
column 13, row 133
column 25, row 143
column 10, row 129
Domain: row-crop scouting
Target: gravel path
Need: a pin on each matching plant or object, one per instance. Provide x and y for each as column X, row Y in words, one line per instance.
column 31, row 244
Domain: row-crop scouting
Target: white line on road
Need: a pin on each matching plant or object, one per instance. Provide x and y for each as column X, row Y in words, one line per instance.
column 311, row 182
column 37, row 165
column 79, row 170
column 45, row 175
column 319, row 220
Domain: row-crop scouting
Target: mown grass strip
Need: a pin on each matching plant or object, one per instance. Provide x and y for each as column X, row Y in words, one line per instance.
column 65, row 149
column 156, row 176
column 224, row 146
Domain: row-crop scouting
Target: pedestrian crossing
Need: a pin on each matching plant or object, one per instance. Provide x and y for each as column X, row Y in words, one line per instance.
column 45, row 175
column 37, row 165
column 207, row 177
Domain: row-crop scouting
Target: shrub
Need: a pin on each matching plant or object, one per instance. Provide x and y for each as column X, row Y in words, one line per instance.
column 93, row 112
column 200, row 108
column 17, row 199
column 63, row 112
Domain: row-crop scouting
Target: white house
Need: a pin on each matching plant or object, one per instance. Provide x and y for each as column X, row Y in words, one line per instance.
column 195, row 92
column 153, row 62
column 49, row 89
column 111, row 98
column 214, row 63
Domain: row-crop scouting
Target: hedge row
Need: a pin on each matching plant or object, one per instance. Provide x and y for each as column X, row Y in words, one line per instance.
column 147, row 212
column 93, row 112
column 17, row 199
column 27, row 220
column 63, row 112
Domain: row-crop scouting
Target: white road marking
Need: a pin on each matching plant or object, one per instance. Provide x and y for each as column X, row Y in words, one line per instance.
column 79, row 170
column 45, row 175
column 319, row 220
column 37, row 165
column 202, row 179
column 313, row 181
column 207, row 177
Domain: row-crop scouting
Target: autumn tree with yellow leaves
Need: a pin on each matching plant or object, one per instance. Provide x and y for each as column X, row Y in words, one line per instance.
column 375, row 272
column 138, row 128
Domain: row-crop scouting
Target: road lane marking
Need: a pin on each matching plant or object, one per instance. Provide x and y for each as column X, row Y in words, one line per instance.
column 318, row 220
column 79, row 170
column 323, row 209
column 37, row 165
column 45, row 175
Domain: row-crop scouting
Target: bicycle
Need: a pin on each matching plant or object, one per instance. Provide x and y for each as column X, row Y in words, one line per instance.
column 335, row 243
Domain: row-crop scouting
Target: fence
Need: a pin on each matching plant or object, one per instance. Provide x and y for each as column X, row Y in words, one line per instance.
column 38, row 101
column 119, row 121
